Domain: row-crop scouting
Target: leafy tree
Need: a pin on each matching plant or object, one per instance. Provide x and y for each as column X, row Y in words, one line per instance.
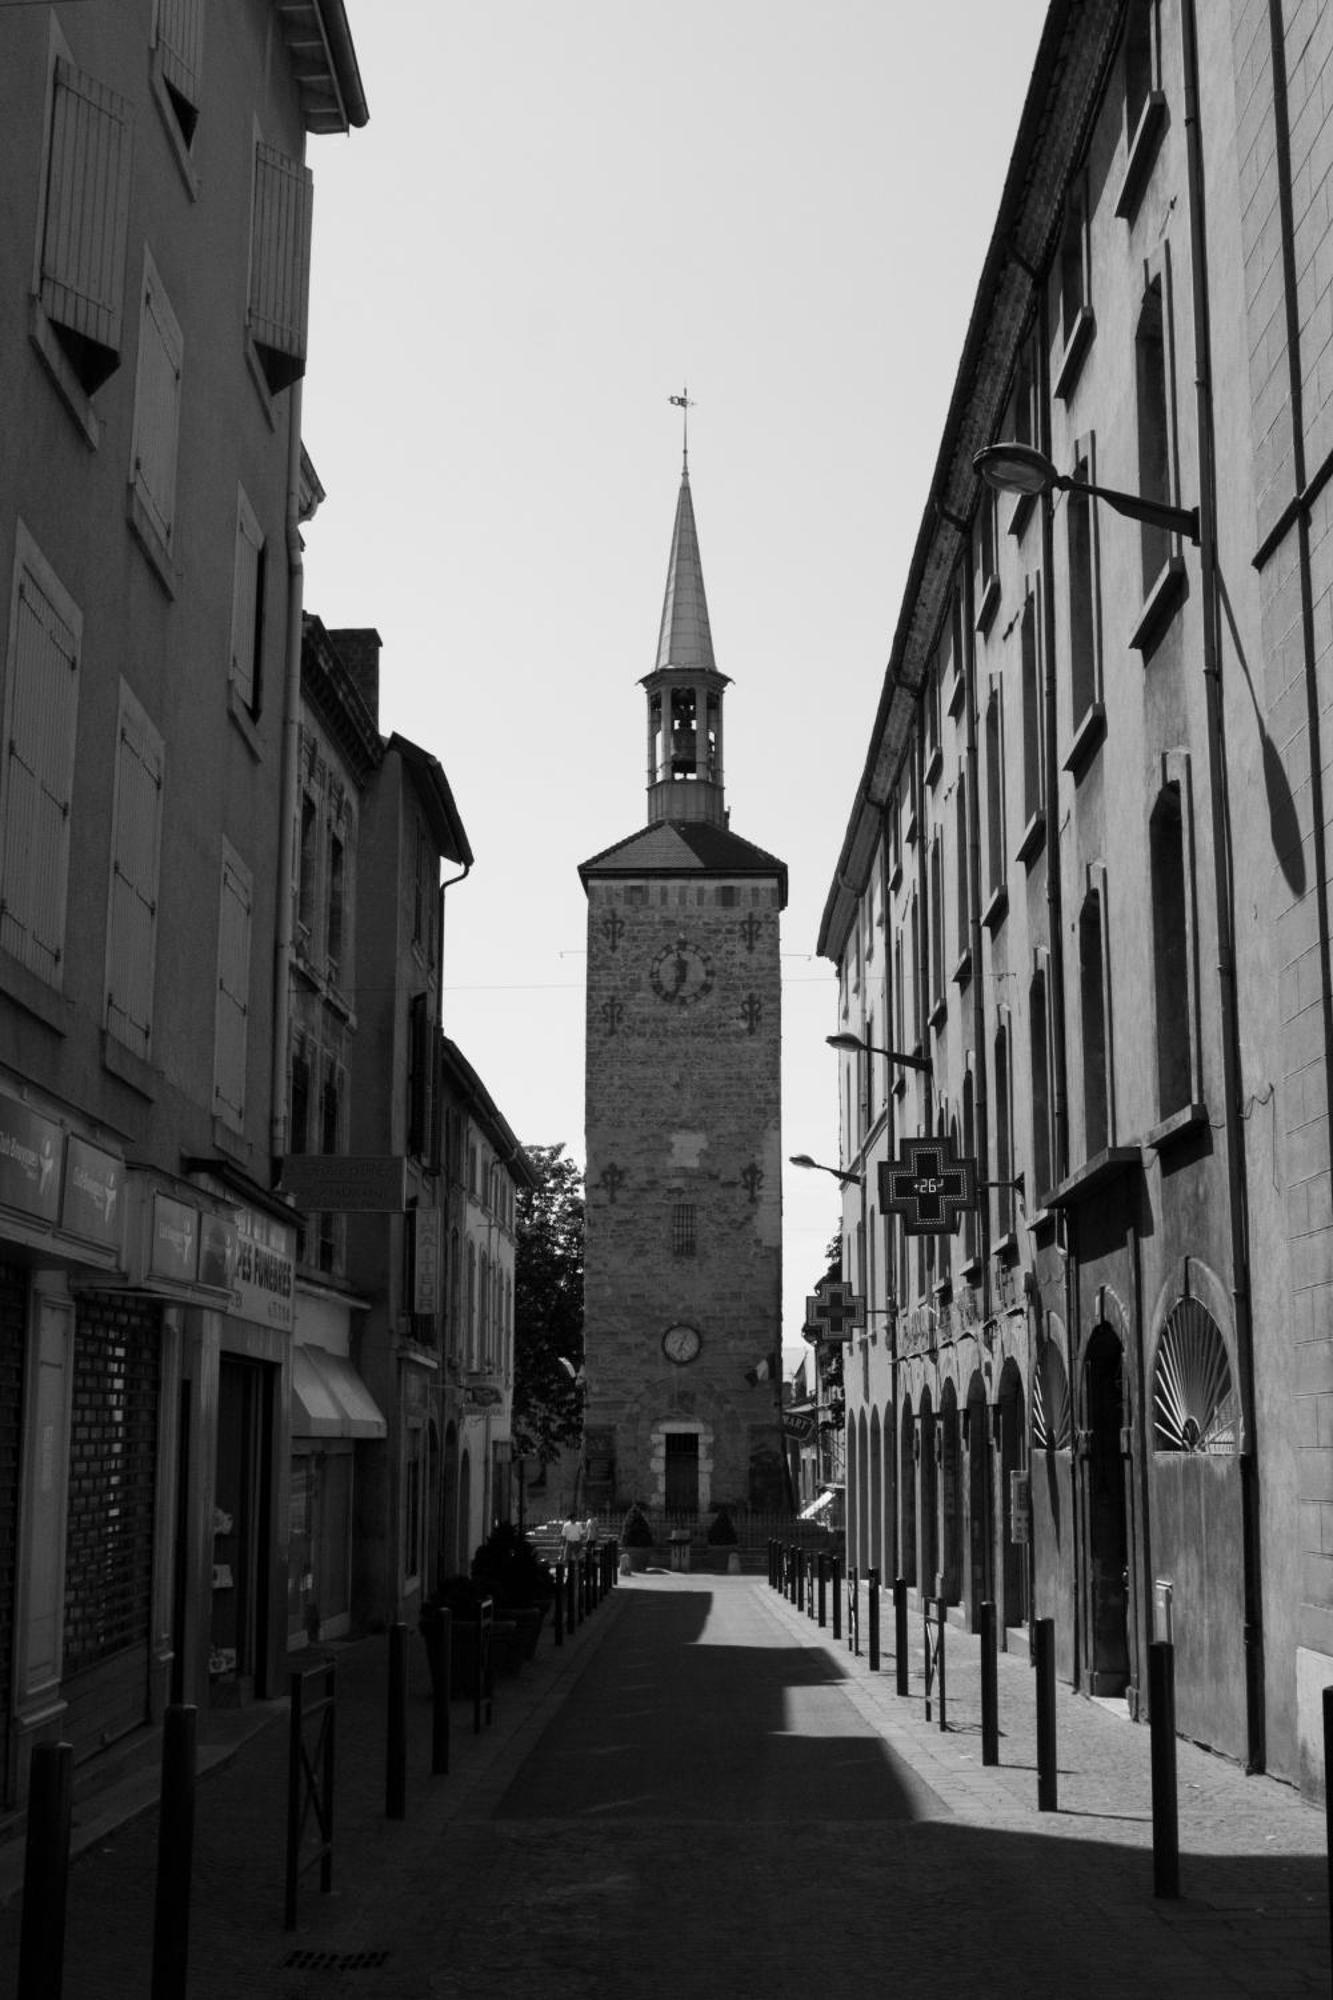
column 548, row 1307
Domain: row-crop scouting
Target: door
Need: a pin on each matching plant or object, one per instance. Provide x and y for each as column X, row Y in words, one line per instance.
column 1108, row 1574
column 682, row 1472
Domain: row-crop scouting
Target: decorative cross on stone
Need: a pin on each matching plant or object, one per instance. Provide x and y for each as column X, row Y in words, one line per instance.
column 751, row 930
column 928, row 1185
column 752, row 1179
column 752, row 1008
column 612, row 1178
column 613, row 1013
column 613, row 929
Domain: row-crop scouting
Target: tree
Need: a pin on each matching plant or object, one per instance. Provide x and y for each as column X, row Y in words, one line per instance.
column 548, row 1307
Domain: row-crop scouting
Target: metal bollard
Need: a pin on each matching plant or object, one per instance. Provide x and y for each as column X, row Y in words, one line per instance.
column 559, row 1606
column 823, row 1589
column 175, row 1853
column 990, row 1687
column 853, row 1613
column 900, row 1659
column 1162, row 1725
column 791, row 1572
column 810, row 1586
column 1043, row 1636
column 46, row 1872
column 800, row 1579
column 835, row 1577
column 872, row 1580
column 395, row 1735
column 572, row 1593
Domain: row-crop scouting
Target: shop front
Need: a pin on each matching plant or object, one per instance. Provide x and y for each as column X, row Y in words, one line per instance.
column 332, row 1412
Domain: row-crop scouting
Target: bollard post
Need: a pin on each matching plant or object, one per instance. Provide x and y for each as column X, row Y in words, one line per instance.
column 309, row 1780
column 1162, row 1726
column 395, row 1735
column 990, row 1687
column 46, row 1872
column 810, row 1567
column 823, row 1588
column 800, row 1579
column 175, row 1853
column 900, row 1660
column 835, row 1577
column 571, row 1593
column 872, row 1580
column 559, row 1606
column 437, row 1631
column 854, row 1613
column 1043, row 1635
column 791, row 1572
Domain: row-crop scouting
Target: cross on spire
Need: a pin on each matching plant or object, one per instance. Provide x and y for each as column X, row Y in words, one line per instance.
column 683, row 403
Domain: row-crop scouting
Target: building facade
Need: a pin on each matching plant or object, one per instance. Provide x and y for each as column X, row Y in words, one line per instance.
column 1084, row 878
column 153, row 277
column 683, row 1129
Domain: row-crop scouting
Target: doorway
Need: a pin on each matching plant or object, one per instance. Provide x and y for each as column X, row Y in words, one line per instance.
column 241, row 1504
column 682, row 1472
column 979, row 1538
column 1108, row 1528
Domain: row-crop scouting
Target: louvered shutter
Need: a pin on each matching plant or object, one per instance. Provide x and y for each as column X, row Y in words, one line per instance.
column 38, row 779
column 135, row 862
column 280, row 264
column 180, row 41
column 245, row 600
column 87, row 214
column 233, row 1012
column 157, row 404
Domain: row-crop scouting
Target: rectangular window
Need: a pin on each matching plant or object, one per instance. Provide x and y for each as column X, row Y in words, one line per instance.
column 37, row 774
column 1084, row 677
column 337, row 908
column 300, row 1108
column 1033, row 789
column 683, row 1240
column 306, row 895
column 1153, row 412
column 1175, row 981
column 995, row 795
column 1004, row 1153
column 131, row 945
column 1075, row 294
column 247, row 605
column 85, row 220
column 280, row 265
column 988, row 574
column 230, row 1046
column 157, row 392
column 418, row 1080
column 937, row 921
column 179, row 41
column 1040, row 1063
column 1093, row 1022
column 962, row 872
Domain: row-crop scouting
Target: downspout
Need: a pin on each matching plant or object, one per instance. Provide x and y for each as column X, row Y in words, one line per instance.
column 1219, row 798
column 289, row 787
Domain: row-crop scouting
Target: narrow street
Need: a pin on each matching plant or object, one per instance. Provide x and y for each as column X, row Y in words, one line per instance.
column 703, row 1794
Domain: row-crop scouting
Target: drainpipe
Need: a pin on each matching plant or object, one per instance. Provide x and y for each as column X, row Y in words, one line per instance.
column 1219, row 800
column 289, row 784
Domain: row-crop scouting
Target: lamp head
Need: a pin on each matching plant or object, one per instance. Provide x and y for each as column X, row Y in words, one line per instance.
column 852, row 1043
column 1012, row 467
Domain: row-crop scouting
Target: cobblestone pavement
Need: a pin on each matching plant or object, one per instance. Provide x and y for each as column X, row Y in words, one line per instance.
column 703, row 1794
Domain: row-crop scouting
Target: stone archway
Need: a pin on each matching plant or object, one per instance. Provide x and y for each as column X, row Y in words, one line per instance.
column 928, row 1510
column 951, row 1496
column 874, row 1546
column 980, row 1541
column 1013, row 1606
column 862, row 1493
column 852, row 1474
column 907, row 1449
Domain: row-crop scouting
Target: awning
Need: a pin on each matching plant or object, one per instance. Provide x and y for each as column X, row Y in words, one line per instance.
column 817, row 1507
column 329, row 1399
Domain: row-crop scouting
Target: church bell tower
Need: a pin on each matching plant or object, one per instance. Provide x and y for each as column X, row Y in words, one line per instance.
column 683, row 1251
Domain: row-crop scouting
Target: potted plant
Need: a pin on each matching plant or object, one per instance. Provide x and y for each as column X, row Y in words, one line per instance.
column 722, row 1535
column 636, row 1539
column 460, row 1596
column 509, row 1568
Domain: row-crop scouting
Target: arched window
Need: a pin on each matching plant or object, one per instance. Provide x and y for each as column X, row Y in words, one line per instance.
column 1052, row 1413
column 1195, row 1406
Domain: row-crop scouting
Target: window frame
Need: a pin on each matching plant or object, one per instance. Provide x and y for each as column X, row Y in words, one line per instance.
column 134, row 728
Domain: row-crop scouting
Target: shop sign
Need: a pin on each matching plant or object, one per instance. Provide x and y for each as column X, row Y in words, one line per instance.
column 359, row 1184
column 482, row 1397
column 174, row 1248
column 265, row 1272
column 29, row 1160
column 426, row 1244
column 92, row 1206
column 217, row 1251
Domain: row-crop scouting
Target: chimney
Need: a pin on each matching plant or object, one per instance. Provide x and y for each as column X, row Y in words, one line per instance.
column 358, row 647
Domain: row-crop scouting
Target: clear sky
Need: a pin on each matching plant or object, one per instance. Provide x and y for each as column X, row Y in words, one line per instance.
column 556, row 218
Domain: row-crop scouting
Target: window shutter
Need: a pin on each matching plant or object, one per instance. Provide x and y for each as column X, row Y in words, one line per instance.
column 135, row 860
column 38, row 778
column 280, row 264
column 157, row 404
column 245, row 599
column 87, row 210
column 229, row 1056
column 180, row 39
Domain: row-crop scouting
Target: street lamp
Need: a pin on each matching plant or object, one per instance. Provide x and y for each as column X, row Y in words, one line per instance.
column 1012, row 467
column 804, row 1160
column 854, row 1046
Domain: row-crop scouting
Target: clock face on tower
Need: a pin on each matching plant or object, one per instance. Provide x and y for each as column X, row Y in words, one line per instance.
column 681, row 1343
column 682, row 974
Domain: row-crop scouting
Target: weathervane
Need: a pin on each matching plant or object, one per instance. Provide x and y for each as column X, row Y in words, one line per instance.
column 684, row 405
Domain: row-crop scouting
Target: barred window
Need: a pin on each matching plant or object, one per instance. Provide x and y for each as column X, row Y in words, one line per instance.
column 683, row 1240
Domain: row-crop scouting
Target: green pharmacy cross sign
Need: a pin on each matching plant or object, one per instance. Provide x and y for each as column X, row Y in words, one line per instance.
column 832, row 1310
column 928, row 1185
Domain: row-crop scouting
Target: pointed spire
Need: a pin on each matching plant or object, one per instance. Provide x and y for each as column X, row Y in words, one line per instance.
column 685, row 639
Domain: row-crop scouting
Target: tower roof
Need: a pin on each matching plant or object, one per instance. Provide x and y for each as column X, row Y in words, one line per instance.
column 685, row 639
column 690, row 847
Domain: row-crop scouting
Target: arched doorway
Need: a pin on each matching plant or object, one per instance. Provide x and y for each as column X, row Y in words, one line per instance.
column 872, row 1553
column 862, row 1494
column 853, row 1511
column 907, row 1488
column 979, row 1540
column 1013, row 1608
column 929, row 1510
column 1108, row 1532
column 951, row 1492
column 465, row 1514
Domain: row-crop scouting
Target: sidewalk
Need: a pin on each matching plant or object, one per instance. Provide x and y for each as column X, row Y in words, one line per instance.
column 237, row 1941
